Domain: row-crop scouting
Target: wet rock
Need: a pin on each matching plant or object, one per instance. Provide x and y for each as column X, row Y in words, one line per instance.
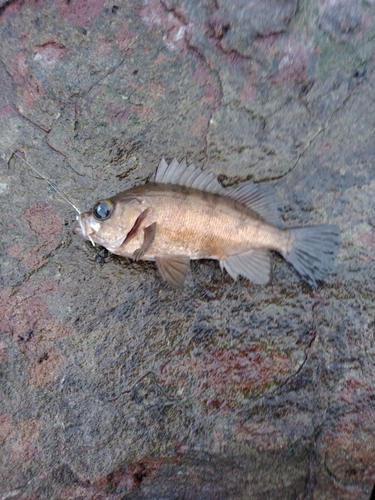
column 113, row 384
column 242, row 21
column 342, row 20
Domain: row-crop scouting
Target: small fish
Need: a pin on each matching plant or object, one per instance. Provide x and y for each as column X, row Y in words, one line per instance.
column 184, row 213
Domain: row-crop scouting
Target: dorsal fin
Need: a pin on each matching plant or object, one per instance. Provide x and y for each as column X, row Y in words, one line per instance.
column 260, row 198
column 186, row 175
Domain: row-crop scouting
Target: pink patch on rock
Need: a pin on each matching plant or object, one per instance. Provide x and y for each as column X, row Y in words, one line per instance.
column 125, row 39
column 220, row 375
column 200, row 126
column 129, row 478
column 211, row 95
column 46, row 369
column 25, row 309
column 249, row 89
column 20, row 70
column 33, row 259
column 141, row 111
column 156, row 90
column 17, row 251
column 80, row 12
column 25, row 446
column 201, row 74
column 104, row 46
column 6, row 428
column 7, row 110
column 121, row 115
column 49, row 53
column 366, row 23
column 15, row 6
column 350, row 447
column 370, row 238
column 264, row 435
column 326, row 146
column 31, row 88
column 160, row 59
column 44, row 223
column 173, row 21
column 348, row 442
column 292, row 66
column 351, row 389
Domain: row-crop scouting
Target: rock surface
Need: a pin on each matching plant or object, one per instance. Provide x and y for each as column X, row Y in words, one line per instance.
column 115, row 386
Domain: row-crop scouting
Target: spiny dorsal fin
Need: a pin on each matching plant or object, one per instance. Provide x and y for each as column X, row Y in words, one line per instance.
column 186, row 175
column 260, row 198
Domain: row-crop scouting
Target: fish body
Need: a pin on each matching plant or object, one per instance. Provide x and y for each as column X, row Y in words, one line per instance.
column 184, row 213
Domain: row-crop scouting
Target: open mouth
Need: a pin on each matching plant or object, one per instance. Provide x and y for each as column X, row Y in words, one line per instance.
column 81, row 230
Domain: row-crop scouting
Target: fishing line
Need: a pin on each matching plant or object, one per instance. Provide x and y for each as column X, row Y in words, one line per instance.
column 63, row 196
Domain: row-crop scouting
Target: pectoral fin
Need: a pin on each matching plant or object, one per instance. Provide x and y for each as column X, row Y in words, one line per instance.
column 149, row 235
column 254, row 265
column 137, row 224
column 173, row 268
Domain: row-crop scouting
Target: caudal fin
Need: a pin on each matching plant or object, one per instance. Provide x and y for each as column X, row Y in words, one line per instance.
column 314, row 252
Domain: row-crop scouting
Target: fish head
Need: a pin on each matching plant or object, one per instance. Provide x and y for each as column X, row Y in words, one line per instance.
column 110, row 220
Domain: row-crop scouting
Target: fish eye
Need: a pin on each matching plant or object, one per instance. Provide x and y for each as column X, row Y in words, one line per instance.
column 103, row 210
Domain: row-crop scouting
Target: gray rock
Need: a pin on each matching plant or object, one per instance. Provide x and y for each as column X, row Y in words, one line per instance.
column 114, row 385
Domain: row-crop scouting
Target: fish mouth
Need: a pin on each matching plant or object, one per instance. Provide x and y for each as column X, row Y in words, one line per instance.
column 88, row 229
column 80, row 226
column 81, row 229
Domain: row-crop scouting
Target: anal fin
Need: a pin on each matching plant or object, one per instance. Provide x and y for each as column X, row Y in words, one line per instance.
column 254, row 265
column 173, row 268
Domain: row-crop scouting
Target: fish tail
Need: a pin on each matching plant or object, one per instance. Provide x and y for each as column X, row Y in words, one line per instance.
column 314, row 251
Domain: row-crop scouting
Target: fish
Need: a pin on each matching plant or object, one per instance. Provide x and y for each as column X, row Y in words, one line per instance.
column 184, row 213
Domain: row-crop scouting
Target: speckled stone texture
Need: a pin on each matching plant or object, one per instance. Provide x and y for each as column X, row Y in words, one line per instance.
column 115, row 386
